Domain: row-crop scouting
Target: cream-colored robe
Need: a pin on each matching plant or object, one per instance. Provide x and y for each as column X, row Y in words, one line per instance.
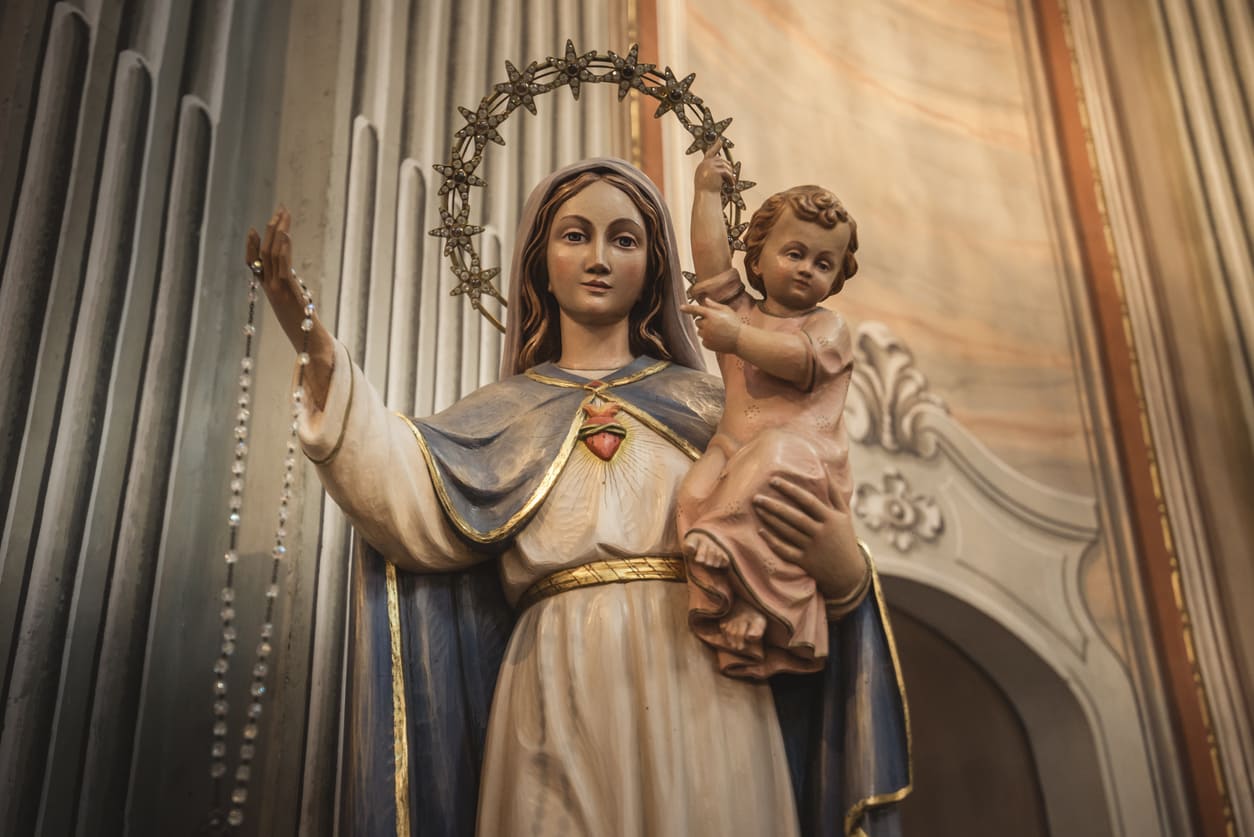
column 609, row 717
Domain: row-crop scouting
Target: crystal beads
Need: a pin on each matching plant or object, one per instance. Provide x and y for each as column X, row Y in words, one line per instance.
column 219, row 771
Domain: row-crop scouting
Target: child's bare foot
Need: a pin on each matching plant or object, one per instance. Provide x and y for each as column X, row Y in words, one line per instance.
column 704, row 550
column 743, row 624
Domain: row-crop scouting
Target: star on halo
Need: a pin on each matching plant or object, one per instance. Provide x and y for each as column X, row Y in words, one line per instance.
column 456, row 231
column 521, row 87
column 673, row 93
column 481, row 125
column 734, row 240
column 573, row 68
column 459, row 175
column 628, row 72
column 708, row 132
column 474, row 282
column 732, row 191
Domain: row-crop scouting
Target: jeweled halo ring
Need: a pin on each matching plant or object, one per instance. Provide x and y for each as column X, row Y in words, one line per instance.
column 521, row 89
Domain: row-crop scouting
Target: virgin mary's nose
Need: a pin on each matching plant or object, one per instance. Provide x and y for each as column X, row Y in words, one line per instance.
column 597, row 263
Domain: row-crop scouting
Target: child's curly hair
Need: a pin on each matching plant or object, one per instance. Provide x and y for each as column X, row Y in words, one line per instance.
column 809, row 203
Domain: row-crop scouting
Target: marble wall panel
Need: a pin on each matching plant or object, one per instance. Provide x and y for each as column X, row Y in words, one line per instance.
column 919, row 116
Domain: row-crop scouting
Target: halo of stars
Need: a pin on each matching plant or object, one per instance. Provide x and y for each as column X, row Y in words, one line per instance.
column 521, row 89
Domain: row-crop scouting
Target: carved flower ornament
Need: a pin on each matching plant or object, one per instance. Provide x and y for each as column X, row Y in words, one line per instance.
column 901, row 515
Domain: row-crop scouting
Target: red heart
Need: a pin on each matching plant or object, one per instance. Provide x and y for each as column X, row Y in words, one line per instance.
column 603, row 444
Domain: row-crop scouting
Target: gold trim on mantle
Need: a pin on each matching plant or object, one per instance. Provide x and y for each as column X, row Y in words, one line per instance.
column 400, row 724
column 516, row 519
column 854, row 814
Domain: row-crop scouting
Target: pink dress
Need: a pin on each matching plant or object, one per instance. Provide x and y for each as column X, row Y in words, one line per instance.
column 770, row 428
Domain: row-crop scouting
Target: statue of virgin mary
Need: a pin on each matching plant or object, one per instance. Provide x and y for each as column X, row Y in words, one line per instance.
column 520, row 660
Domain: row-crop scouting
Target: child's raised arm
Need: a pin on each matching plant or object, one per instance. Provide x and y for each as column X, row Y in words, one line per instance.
column 711, row 254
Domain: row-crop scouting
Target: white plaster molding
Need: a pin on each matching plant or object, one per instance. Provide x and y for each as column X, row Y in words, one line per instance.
column 1012, row 549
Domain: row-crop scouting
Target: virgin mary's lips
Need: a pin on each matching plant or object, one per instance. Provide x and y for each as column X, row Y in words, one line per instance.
column 596, row 283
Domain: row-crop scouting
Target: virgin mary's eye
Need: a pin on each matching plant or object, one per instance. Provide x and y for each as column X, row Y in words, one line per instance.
column 625, row 241
column 573, row 236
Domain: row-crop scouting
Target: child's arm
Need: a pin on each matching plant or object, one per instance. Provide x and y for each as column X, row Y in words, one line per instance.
column 711, row 254
column 786, row 356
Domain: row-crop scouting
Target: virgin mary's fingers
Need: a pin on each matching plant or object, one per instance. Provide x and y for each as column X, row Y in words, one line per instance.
column 283, row 268
column 782, row 529
column 252, row 248
column 267, row 242
column 283, row 258
column 694, row 309
column 772, row 508
column 781, row 547
column 801, row 497
column 714, row 149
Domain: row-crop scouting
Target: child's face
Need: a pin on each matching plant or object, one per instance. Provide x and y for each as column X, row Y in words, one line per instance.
column 800, row 260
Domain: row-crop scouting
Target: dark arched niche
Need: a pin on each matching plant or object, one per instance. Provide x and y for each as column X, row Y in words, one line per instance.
column 1001, row 744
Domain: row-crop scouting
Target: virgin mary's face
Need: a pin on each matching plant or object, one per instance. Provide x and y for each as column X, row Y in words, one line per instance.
column 597, row 255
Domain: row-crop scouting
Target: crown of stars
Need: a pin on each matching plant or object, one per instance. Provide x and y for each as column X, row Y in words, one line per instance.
column 520, row 90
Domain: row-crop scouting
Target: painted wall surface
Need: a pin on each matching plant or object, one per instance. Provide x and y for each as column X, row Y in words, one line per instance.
column 934, row 124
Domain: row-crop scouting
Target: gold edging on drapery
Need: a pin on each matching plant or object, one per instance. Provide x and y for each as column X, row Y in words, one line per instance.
column 400, row 725
column 852, row 826
column 651, row 369
column 656, row 426
column 507, row 528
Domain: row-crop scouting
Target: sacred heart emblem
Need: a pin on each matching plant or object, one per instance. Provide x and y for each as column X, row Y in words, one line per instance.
column 601, row 433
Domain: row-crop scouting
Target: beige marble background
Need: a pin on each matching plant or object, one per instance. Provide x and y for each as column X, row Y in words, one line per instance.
column 918, row 114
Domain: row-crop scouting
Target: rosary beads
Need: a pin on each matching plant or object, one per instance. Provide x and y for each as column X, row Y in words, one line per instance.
column 218, row 768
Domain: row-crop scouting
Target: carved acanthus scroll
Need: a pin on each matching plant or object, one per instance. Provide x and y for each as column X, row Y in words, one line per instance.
column 894, row 396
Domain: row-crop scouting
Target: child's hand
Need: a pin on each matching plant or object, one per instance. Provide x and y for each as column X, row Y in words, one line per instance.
column 717, row 325
column 713, row 170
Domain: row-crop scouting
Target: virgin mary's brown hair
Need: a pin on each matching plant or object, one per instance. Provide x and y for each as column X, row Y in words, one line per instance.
column 538, row 307
column 809, row 203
